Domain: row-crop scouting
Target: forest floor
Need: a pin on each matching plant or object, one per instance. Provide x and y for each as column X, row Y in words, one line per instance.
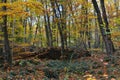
column 34, row 66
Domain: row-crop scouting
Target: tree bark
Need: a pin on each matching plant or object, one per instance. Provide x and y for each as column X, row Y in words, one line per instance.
column 48, row 27
column 48, row 31
column 106, row 37
column 7, row 51
column 108, row 34
column 58, row 16
column 25, row 29
column 97, row 36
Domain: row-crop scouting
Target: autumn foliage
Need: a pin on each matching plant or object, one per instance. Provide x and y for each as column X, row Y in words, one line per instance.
column 59, row 39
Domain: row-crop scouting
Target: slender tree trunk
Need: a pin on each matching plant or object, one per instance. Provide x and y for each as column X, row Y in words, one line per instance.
column 108, row 34
column 37, row 27
column 8, row 55
column 58, row 23
column 30, row 30
column 50, row 31
column 53, row 30
column 88, row 35
column 63, row 22
column 69, row 32
column 97, row 36
column 106, row 37
column 48, row 27
column 60, row 26
column 25, row 29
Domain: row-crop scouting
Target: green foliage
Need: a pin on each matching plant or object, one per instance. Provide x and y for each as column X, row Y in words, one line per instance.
column 12, row 74
column 96, row 65
column 23, row 63
column 76, row 67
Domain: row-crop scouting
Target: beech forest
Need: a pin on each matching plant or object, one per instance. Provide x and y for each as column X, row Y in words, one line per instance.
column 59, row 39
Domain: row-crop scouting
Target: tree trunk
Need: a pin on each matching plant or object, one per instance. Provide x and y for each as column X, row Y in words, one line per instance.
column 25, row 29
column 108, row 34
column 8, row 55
column 97, row 35
column 48, row 27
column 58, row 16
column 48, row 31
column 63, row 22
column 106, row 37
column 30, row 30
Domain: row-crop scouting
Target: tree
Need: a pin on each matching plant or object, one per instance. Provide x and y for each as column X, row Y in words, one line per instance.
column 12, row 10
column 58, row 16
column 8, row 55
column 106, row 35
column 48, row 28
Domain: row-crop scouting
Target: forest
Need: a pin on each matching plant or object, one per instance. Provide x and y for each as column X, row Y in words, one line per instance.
column 59, row 40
